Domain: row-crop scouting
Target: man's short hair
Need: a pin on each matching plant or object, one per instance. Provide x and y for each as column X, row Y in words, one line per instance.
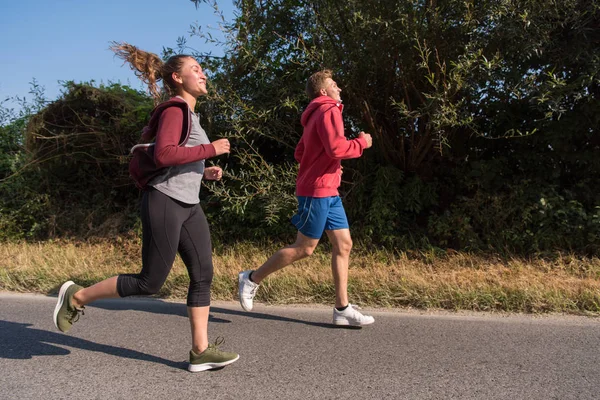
column 316, row 82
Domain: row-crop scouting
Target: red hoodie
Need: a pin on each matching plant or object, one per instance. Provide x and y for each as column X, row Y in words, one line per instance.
column 322, row 147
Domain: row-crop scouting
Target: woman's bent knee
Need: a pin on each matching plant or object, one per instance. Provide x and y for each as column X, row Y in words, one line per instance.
column 136, row 285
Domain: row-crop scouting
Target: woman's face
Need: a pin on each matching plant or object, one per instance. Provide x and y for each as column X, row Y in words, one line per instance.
column 191, row 78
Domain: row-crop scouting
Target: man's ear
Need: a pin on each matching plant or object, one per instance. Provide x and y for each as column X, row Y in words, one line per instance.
column 323, row 92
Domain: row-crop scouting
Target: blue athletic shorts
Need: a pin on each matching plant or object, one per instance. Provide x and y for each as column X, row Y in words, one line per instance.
column 317, row 214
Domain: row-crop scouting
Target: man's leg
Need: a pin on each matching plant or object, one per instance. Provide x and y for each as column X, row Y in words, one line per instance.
column 302, row 248
column 249, row 280
column 340, row 258
column 344, row 313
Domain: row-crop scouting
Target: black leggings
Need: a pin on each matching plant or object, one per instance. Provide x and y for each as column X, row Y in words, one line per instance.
column 170, row 226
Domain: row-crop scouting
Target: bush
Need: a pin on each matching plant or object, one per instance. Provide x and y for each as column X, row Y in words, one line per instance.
column 69, row 168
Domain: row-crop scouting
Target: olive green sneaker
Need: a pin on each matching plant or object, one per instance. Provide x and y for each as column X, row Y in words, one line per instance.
column 211, row 358
column 65, row 315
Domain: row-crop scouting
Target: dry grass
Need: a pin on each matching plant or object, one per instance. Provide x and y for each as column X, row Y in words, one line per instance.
column 455, row 281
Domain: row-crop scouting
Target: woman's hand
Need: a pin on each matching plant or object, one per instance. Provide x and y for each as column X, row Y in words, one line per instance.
column 213, row 173
column 222, row 146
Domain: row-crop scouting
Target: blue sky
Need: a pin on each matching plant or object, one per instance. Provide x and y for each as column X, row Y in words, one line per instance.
column 69, row 39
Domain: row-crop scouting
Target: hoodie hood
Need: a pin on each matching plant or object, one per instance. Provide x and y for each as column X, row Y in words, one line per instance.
column 149, row 131
column 324, row 103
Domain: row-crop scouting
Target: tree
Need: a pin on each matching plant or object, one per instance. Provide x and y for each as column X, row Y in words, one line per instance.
column 440, row 84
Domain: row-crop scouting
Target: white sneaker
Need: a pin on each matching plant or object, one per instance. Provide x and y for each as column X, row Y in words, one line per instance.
column 246, row 290
column 351, row 317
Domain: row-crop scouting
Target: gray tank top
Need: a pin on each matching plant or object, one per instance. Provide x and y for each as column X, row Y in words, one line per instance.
column 182, row 182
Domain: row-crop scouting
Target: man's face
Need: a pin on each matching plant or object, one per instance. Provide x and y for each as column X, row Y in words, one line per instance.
column 331, row 89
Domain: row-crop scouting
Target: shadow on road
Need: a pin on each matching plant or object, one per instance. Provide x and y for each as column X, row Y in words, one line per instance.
column 151, row 305
column 163, row 307
column 19, row 341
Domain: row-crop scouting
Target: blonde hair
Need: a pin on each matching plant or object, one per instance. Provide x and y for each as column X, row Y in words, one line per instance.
column 150, row 68
column 316, row 82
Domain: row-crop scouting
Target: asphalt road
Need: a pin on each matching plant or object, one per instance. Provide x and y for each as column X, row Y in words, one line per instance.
column 137, row 349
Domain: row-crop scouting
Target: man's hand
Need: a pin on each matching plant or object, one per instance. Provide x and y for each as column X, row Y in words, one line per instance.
column 367, row 137
column 213, row 173
column 221, row 146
